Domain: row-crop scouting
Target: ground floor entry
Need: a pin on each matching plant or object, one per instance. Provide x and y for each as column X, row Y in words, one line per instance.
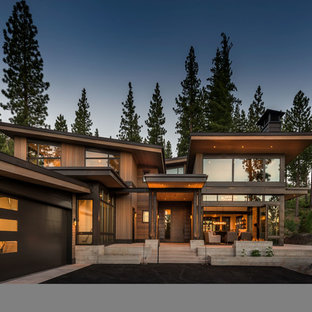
column 174, row 223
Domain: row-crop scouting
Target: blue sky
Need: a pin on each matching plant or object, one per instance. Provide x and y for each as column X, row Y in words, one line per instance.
column 102, row 45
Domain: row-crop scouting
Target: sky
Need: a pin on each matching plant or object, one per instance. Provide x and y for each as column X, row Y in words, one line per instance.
column 102, row 45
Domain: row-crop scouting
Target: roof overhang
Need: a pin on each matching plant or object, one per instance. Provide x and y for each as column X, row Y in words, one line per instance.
column 14, row 168
column 107, row 176
column 181, row 181
column 177, row 161
column 293, row 192
column 288, row 144
column 145, row 154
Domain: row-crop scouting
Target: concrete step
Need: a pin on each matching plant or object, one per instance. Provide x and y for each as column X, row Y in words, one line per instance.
column 259, row 261
column 119, row 259
column 293, row 252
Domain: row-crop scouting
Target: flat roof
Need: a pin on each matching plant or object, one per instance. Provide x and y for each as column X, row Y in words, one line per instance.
column 187, row 181
column 289, row 144
column 144, row 154
column 22, row 170
column 170, row 162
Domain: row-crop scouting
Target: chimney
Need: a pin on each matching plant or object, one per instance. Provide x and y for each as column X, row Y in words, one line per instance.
column 271, row 121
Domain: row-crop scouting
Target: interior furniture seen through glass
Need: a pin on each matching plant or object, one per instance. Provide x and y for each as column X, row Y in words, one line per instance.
column 44, row 154
column 85, row 223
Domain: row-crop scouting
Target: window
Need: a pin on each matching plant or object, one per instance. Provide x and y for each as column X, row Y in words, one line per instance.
column 8, row 247
column 210, row 197
column 272, row 170
column 8, row 225
column 218, row 170
column 248, row 170
column 145, row 216
column 273, row 220
column 8, row 203
column 107, row 216
column 96, row 158
column 85, row 222
column 271, row 198
column 177, row 170
column 44, row 154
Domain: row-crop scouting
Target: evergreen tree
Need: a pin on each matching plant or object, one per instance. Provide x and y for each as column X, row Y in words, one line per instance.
column 24, row 76
column 129, row 129
column 96, row 133
column 156, row 120
column 239, row 120
column 221, row 101
column 189, row 105
column 168, row 150
column 60, row 123
column 83, row 122
column 255, row 111
column 298, row 119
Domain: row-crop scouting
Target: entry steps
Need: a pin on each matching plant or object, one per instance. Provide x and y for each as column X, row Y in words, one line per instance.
column 119, row 259
column 174, row 254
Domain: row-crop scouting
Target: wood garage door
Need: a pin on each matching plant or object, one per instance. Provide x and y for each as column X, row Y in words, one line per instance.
column 43, row 239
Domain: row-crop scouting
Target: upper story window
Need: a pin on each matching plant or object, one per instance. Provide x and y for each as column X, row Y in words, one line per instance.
column 242, row 169
column 44, row 154
column 97, row 158
column 176, row 170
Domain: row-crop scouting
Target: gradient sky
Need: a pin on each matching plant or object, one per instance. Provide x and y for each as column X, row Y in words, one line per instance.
column 102, row 45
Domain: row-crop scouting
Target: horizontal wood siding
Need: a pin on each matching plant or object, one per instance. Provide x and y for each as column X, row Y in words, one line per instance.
column 20, row 148
column 73, row 155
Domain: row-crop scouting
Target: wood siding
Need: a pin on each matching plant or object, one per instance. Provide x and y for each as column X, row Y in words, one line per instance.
column 73, row 155
column 124, row 205
column 198, row 164
column 128, row 168
column 20, row 148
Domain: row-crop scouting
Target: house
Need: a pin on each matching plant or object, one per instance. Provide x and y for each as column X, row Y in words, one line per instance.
column 63, row 190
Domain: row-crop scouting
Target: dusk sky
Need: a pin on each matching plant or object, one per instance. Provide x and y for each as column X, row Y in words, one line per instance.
column 102, row 45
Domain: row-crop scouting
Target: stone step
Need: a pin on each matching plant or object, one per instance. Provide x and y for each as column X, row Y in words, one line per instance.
column 259, row 261
column 119, row 259
column 293, row 252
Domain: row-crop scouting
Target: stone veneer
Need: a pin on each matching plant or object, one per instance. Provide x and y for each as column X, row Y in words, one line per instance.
column 249, row 246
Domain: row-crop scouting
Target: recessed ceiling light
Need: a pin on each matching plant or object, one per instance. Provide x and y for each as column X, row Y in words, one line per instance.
column 243, row 146
column 271, row 146
column 214, row 146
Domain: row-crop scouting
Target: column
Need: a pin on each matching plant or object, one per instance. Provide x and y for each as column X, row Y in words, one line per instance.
column 154, row 214
column 150, row 214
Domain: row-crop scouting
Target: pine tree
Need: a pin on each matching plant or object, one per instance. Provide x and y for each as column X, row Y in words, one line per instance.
column 189, row 106
column 24, row 76
column 129, row 129
column 60, row 123
column 156, row 120
column 255, row 111
column 239, row 120
column 168, row 150
column 96, row 133
column 83, row 122
column 221, row 101
column 299, row 119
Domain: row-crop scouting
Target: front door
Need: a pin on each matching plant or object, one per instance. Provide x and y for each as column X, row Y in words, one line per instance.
column 177, row 225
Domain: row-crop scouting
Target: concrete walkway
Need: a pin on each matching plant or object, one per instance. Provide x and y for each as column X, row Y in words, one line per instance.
column 39, row 277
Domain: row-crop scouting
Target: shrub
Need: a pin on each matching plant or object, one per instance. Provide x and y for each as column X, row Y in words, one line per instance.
column 291, row 225
column 255, row 253
column 305, row 225
column 269, row 252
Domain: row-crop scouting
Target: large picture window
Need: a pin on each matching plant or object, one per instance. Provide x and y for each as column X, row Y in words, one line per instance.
column 97, row 158
column 44, row 154
column 85, row 222
column 218, row 170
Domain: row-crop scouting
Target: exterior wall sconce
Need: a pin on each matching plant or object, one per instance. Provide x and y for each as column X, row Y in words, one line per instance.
column 157, row 217
column 75, row 222
column 191, row 217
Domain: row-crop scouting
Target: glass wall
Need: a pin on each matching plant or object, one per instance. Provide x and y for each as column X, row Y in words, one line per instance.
column 85, row 222
column 107, row 219
column 273, row 220
column 241, row 198
column 97, row 158
column 244, row 169
column 44, row 154
column 176, row 170
column 218, row 170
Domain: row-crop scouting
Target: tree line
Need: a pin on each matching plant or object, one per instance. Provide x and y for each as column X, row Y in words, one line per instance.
column 207, row 107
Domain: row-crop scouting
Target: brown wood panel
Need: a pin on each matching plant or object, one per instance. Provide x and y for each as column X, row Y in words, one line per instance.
column 20, row 148
column 142, row 204
column 73, row 155
column 128, row 167
column 198, row 165
column 124, row 217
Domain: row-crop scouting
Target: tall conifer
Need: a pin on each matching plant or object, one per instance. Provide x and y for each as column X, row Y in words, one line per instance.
column 221, row 101
column 189, row 105
column 239, row 120
column 156, row 120
column 60, row 123
column 168, row 150
column 129, row 129
column 24, row 75
column 255, row 111
column 83, row 122
column 299, row 119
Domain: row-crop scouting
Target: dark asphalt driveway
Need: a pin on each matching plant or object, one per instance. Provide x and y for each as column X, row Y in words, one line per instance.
column 180, row 274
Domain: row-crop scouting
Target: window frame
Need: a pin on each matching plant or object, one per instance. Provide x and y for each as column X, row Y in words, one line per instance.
column 37, row 158
column 145, row 211
column 109, row 153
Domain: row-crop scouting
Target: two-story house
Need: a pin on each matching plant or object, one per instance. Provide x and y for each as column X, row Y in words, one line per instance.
column 61, row 190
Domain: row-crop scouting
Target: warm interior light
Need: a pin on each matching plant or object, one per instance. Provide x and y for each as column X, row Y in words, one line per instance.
column 214, row 146
column 243, row 146
column 271, row 146
column 191, row 217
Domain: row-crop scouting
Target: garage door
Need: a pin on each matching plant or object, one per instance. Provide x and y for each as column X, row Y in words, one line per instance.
column 33, row 236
